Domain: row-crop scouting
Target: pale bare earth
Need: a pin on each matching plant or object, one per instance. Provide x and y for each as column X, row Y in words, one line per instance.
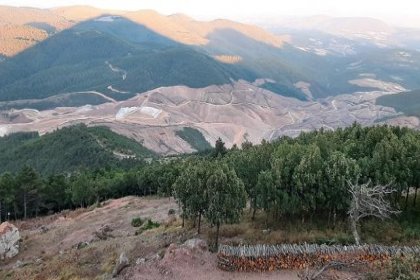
column 238, row 112
column 49, row 246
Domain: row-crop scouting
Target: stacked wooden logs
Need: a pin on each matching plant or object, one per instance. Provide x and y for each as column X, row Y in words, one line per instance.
column 275, row 257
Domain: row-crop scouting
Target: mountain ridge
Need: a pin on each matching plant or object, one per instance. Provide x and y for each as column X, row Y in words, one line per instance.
column 140, row 73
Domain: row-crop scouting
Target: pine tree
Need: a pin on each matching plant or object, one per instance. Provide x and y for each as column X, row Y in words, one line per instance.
column 29, row 184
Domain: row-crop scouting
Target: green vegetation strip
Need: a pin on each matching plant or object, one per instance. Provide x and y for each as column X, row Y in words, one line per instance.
column 195, row 138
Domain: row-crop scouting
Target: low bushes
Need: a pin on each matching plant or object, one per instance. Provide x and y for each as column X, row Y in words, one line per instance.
column 137, row 222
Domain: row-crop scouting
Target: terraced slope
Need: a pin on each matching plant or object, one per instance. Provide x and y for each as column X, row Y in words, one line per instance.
column 235, row 112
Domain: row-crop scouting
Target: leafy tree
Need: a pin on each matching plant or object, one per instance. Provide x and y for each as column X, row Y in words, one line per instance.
column 54, row 193
column 219, row 149
column 266, row 191
column 338, row 171
column 227, row 198
column 7, row 189
column 81, row 191
column 308, row 179
column 183, row 189
column 29, row 184
column 197, row 203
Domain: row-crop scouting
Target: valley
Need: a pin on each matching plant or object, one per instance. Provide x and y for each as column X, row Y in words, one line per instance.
column 147, row 75
column 137, row 144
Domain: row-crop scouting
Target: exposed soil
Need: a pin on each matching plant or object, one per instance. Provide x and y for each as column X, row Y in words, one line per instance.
column 65, row 246
column 237, row 112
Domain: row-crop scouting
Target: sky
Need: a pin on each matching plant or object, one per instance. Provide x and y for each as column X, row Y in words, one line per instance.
column 397, row 12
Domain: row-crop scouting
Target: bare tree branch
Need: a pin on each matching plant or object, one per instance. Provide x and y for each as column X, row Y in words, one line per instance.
column 369, row 201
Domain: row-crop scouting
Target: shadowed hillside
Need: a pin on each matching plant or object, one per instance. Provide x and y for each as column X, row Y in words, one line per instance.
column 405, row 102
column 95, row 55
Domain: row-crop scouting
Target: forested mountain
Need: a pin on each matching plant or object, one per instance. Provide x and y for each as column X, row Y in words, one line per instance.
column 93, row 56
column 68, row 149
column 124, row 53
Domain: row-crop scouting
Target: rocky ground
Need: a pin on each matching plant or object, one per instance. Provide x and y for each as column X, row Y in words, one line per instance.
column 100, row 242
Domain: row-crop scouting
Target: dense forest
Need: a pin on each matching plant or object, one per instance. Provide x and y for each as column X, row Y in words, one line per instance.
column 305, row 178
column 68, row 149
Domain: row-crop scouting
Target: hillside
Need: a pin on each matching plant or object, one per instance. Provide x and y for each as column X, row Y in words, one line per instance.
column 236, row 112
column 407, row 103
column 305, row 179
column 67, row 149
column 95, row 56
column 78, row 49
column 149, row 77
column 22, row 28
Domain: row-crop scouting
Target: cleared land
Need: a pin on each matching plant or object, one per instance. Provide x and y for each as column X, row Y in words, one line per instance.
column 236, row 113
column 54, row 248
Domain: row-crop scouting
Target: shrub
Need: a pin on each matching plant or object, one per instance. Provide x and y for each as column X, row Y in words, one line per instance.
column 150, row 225
column 137, row 222
column 405, row 269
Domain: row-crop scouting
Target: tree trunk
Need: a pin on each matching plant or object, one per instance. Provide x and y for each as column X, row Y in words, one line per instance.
column 329, row 218
column 406, row 198
column 217, row 236
column 15, row 210
column 24, row 206
column 267, row 213
column 183, row 218
column 0, row 212
column 353, row 225
column 253, row 212
column 199, row 223
column 415, row 197
column 397, row 197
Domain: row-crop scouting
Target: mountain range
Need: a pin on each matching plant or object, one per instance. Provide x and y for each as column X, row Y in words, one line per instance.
column 149, row 76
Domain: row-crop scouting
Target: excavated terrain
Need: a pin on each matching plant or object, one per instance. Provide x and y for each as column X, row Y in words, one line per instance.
column 238, row 112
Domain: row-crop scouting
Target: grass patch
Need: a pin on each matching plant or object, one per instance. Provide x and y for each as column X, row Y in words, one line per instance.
column 150, row 225
column 318, row 230
column 136, row 222
column 147, row 226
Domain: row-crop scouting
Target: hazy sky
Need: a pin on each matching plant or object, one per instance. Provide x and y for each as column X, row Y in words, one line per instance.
column 402, row 12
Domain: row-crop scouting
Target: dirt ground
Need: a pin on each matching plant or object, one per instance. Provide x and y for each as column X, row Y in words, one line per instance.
column 65, row 246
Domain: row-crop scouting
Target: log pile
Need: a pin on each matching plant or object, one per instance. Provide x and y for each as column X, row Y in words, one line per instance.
column 275, row 257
